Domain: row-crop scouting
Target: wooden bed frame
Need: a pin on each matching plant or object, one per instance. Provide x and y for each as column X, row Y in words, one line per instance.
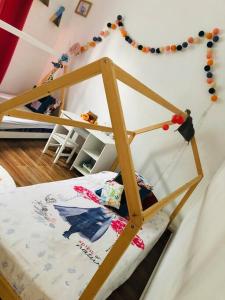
column 123, row 137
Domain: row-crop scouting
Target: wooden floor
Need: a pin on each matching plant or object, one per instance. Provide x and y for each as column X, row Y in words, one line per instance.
column 24, row 160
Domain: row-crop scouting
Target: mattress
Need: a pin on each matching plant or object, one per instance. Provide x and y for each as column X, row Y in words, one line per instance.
column 12, row 123
column 54, row 236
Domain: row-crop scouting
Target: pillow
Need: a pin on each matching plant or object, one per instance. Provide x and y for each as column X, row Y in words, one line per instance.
column 145, row 191
column 111, row 194
column 44, row 105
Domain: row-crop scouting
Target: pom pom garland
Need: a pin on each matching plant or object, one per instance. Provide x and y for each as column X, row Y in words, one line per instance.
column 216, row 38
column 212, row 91
column 211, row 37
column 209, row 75
column 214, row 98
column 184, row 44
column 207, row 68
column 210, row 44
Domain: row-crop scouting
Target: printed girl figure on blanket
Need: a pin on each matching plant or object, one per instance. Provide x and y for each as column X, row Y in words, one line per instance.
column 90, row 223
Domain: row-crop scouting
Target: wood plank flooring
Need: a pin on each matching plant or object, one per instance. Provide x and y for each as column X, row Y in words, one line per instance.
column 24, row 160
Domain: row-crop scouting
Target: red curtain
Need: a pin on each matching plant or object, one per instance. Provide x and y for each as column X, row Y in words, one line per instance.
column 15, row 13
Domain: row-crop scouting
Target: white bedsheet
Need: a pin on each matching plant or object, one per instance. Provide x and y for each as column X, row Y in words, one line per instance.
column 194, row 265
column 41, row 263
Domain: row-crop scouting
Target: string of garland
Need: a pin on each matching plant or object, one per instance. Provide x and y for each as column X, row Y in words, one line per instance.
column 211, row 37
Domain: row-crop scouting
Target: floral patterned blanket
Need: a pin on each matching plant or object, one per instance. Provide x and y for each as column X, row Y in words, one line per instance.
column 54, row 236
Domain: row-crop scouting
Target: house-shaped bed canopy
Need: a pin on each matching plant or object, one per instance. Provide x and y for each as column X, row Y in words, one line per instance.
column 123, row 137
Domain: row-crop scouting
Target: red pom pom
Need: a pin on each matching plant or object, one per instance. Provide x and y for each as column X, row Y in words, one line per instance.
column 174, row 119
column 165, row 127
column 180, row 120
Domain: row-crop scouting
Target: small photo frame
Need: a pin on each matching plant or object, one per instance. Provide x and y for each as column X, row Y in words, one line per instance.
column 83, row 8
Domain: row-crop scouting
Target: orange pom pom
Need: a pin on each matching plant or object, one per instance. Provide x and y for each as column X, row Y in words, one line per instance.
column 209, row 55
column 190, row 40
column 216, row 31
column 113, row 26
column 106, row 33
column 209, row 35
column 92, row 44
column 210, row 80
column 210, row 62
column 134, row 44
column 145, row 49
column 123, row 32
column 173, row 48
column 82, row 49
column 102, row 33
column 167, row 48
column 214, row 98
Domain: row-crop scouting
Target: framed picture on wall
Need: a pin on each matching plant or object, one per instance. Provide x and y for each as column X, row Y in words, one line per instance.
column 83, row 8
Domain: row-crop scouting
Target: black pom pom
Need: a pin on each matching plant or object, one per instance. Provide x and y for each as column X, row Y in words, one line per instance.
column 120, row 24
column 130, row 40
column 99, row 39
column 207, row 68
column 140, row 47
column 212, row 91
column 95, row 39
column 152, row 50
column 158, row 50
column 185, row 45
column 216, row 38
column 209, row 75
column 109, row 25
column 201, row 33
column 127, row 38
column 210, row 44
column 179, row 47
column 119, row 17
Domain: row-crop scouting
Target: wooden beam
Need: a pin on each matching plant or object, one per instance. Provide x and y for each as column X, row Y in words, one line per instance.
column 116, row 161
column 57, row 120
column 121, row 141
column 196, row 156
column 110, row 261
column 182, row 202
column 153, row 127
column 151, row 211
column 6, row 291
column 69, row 79
column 132, row 82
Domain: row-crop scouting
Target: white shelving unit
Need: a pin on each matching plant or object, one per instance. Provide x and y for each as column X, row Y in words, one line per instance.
column 98, row 150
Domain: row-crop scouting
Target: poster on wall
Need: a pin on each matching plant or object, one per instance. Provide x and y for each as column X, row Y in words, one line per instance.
column 83, row 8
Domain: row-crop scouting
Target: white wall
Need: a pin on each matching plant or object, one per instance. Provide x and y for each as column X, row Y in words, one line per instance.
column 180, row 78
column 28, row 62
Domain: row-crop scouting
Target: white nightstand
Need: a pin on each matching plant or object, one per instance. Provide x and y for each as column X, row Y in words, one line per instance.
column 6, row 182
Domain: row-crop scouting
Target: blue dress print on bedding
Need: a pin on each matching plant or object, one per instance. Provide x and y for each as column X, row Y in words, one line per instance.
column 90, row 223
